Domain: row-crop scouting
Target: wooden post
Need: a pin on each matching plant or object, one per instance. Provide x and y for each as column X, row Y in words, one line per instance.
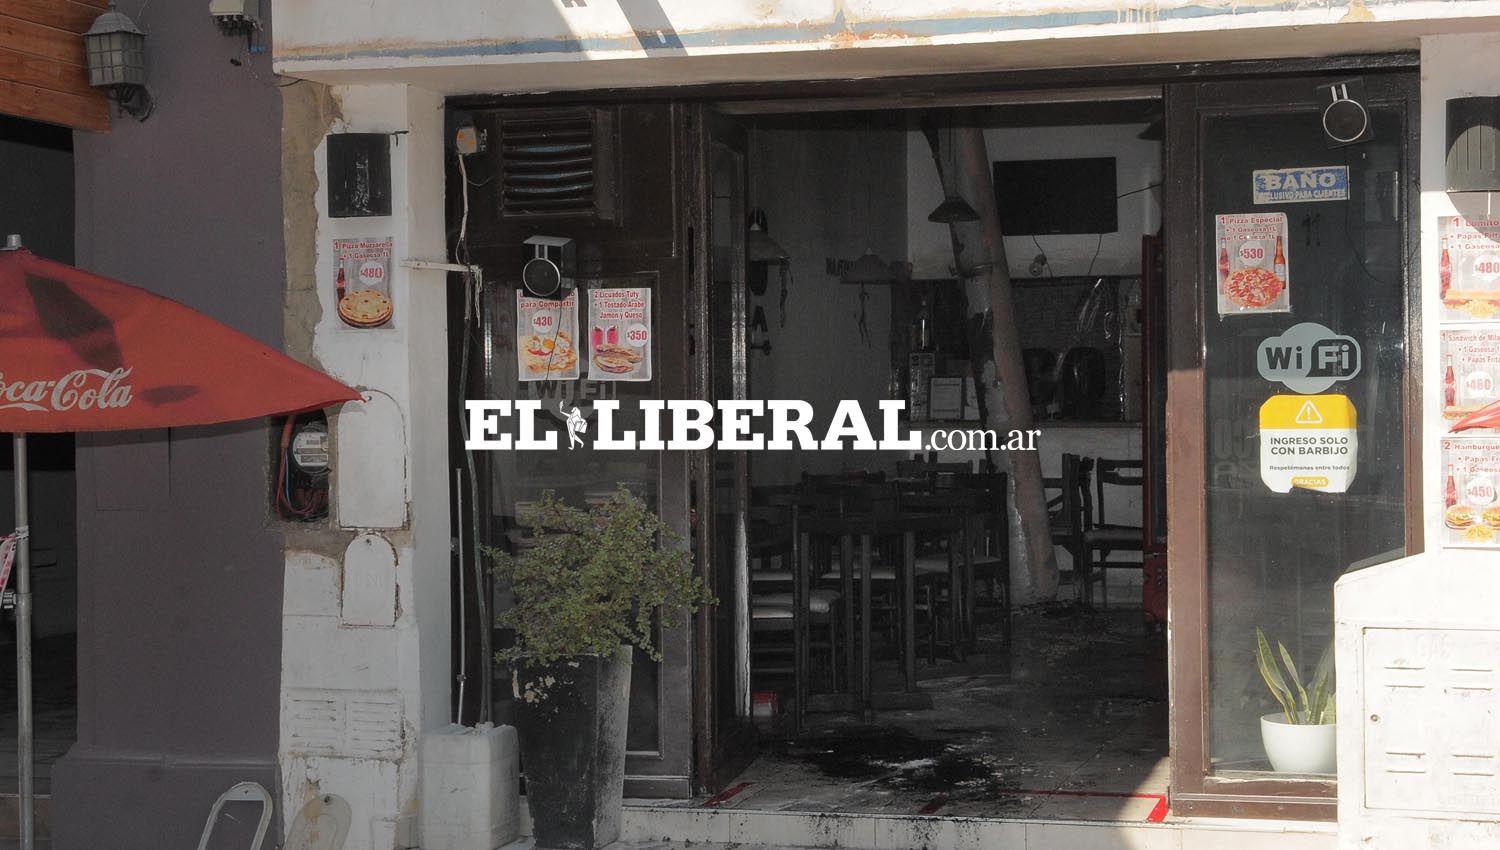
column 979, row 256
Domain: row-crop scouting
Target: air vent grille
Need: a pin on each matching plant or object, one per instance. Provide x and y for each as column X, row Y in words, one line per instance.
column 552, row 164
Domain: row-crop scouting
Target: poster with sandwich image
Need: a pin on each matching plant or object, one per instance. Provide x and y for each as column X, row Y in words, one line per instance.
column 546, row 338
column 620, row 334
column 1471, row 371
column 1469, row 268
column 1471, row 511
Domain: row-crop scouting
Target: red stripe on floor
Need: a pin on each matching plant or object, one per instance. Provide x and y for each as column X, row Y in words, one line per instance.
column 724, row 796
column 933, row 805
column 1159, row 813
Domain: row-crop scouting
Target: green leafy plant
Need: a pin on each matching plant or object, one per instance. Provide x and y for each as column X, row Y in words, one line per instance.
column 1311, row 705
column 592, row 580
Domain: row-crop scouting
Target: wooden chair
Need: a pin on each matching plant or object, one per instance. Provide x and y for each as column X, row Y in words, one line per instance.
column 783, row 604
column 990, row 541
column 1069, row 516
column 1102, row 538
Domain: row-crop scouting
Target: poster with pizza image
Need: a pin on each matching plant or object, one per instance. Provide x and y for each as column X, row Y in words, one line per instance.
column 620, row 334
column 1471, row 509
column 546, row 337
column 1469, row 268
column 1252, row 265
column 362, row 285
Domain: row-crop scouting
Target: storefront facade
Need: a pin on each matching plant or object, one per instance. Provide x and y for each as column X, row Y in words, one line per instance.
column 381, row 647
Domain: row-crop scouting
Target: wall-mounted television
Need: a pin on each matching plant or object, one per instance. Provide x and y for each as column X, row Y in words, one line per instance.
column 1037, row 197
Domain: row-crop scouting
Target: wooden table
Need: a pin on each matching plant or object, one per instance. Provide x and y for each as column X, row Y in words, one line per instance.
column 867, row 527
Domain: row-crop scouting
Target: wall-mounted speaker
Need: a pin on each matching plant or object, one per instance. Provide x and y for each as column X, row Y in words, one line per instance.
column 1474, row 144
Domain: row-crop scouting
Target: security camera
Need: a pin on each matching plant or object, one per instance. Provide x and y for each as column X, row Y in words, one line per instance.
column 549, row 272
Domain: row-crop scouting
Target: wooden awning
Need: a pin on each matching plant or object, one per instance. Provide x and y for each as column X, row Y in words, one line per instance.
column 42, row 71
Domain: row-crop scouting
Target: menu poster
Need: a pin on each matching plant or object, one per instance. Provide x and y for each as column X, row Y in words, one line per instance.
column 1471, row 513
column 1252, row 263
column 363, row 281
column 546, row 334
column 620, row 334
column 1469, row 267
column 1471, row 370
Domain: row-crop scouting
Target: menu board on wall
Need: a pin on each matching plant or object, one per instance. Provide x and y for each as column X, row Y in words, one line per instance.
column 546, row 335
column 620, row 334
column 1469, row 268
column 1471, row 370
column 1471, row 512
column 1253, row 271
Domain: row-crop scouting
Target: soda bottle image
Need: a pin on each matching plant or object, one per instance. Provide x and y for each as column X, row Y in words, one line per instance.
column 1223, row 260
column 1280, row 261
column 1445, row 272
column 1450, row 386
column 1450, row 493
column 340, row 284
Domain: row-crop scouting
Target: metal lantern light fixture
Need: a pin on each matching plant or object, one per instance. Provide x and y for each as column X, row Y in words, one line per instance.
column 115, row 49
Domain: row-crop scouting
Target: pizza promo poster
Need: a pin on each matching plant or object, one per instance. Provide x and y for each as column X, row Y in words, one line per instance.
column 546, row 337
column 620, row 334
column 363, row 282
column 1469, row 268
column 1251, row 263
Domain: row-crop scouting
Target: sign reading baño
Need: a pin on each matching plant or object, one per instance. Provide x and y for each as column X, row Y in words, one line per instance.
column 1308, row 442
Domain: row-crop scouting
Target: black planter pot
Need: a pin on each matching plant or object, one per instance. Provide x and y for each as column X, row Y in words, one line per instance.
column 571, row 716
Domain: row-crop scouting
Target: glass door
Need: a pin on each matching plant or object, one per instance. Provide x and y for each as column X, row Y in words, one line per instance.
column 1291, row 433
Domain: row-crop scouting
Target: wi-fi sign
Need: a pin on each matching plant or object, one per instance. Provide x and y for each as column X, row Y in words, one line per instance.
column 1308, row 358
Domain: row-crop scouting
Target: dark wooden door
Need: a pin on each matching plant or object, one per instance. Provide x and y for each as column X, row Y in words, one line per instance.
column 610, row 178
column 1244, row 556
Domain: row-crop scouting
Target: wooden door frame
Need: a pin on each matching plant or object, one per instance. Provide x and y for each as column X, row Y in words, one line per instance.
column 1195, row 791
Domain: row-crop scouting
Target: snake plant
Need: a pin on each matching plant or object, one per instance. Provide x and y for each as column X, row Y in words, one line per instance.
column 1311, row 705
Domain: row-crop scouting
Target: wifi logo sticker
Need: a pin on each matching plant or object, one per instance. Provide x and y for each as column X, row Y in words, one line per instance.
column 1308, row 358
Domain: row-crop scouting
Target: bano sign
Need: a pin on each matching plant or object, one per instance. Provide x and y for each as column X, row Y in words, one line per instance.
column 1293, row 185
column 1308, row 358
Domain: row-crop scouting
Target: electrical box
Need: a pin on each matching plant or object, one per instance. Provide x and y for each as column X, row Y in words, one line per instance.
column 1417, row 660
column 359, row 175
column 235, row 16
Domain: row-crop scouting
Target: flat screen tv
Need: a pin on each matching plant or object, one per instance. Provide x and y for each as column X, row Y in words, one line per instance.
column 1041, row 196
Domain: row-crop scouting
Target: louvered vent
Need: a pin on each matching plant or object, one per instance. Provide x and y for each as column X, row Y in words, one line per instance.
column 557, row 164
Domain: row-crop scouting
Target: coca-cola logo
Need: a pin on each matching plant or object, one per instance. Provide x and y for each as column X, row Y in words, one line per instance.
column 81, row 389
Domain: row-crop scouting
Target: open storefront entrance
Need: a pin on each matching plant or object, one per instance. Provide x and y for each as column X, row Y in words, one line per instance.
column 878, row 646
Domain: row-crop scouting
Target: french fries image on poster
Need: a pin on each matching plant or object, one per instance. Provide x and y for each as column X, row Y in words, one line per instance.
column 1308, row 442
column 1252, row 268
column 1469, row 268
column 546, row 338
column 620, row 334
column 1471, row 509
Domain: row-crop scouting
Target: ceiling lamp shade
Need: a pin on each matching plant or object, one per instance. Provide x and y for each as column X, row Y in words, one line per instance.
column 759, row 246
column 952, row 210
column 1473, row 163
column 869, row 268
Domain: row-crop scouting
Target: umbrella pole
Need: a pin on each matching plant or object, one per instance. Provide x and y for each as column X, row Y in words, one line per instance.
column 23, row 644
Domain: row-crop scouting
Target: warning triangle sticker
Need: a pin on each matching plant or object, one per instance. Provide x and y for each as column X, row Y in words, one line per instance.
column 1309, row 414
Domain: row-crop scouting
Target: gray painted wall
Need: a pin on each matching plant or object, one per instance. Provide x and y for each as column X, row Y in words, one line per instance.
column 180, row 566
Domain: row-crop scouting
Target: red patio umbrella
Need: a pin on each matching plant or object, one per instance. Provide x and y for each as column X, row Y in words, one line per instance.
column 80, row 352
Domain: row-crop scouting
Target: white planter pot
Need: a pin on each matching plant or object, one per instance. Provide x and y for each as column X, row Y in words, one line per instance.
column 1298, row 748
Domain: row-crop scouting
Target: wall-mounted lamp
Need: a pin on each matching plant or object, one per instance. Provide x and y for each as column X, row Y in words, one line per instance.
column 115, row 49
column 1473, row 163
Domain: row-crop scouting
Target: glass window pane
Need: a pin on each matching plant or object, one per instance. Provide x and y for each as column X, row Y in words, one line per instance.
column 1273, row 557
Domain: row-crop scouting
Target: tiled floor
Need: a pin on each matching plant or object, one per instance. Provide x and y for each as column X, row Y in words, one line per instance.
column 54, row 707
column 1070, row 723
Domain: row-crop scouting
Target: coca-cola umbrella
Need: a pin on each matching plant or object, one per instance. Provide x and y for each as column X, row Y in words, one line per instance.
column 80, row 352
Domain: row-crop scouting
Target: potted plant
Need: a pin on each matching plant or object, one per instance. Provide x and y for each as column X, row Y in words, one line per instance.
column 590, row 585
column 1301, row 738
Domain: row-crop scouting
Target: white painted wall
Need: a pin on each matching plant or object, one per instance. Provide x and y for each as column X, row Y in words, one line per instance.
column 1447, row 594
column 366, row 641
column 1138, row 164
